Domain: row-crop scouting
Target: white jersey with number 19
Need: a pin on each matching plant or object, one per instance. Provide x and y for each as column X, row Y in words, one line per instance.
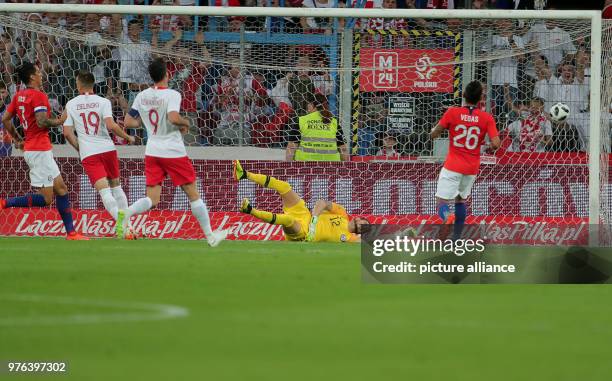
column 86, row 113
column 163, row 138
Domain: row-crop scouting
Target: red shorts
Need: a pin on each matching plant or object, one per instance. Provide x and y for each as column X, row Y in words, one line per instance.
column 179, row 169
column 105, row 164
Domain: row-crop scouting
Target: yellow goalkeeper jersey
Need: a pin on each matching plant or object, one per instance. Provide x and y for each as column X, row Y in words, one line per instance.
column 332, row 226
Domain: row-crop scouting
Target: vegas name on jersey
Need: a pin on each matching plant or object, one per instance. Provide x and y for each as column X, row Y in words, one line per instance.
column 467, row 127
column 163, row 138
column 25, row 104
column 86, row 113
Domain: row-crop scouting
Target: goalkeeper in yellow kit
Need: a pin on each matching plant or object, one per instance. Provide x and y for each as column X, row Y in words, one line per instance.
column 328, row 221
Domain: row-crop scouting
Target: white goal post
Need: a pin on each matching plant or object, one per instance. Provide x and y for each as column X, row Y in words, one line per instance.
column 595, row 148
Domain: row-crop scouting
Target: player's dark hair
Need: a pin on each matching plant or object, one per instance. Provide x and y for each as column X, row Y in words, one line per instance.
column 2, row 84
column 473, row 92
column 86, row 78
column 363, row 228
column 539, row 100
column 320, row 103
column 157, row 69
column 25, row 71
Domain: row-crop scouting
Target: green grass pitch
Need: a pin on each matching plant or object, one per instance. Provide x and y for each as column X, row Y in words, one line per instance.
column 282, row 311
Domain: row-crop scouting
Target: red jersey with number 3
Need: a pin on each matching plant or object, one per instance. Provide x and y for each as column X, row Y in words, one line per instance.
column 25, row 104
column 467, row 128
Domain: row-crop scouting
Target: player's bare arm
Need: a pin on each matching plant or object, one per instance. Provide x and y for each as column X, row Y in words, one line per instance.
column 322, row 206
column 132, row 122
column 495, row 143
column 117, row 130
column 436, row 131
column 183, row 123
column 43, row 120
column 7, row 121
column 71, row 137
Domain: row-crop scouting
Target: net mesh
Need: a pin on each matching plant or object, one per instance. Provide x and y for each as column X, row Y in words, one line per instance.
column 244, row 82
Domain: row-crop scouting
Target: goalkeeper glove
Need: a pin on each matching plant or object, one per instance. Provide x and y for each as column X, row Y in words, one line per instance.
column 312, row 228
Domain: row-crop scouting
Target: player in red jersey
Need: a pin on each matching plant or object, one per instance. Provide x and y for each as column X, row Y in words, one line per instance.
column 32, row 107
column 467, row 127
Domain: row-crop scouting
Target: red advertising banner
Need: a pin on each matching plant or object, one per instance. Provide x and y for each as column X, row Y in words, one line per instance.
column 385, row 192
column 407, row 70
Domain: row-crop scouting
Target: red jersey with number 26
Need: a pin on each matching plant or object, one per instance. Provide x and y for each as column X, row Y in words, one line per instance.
column 467, row 128
column 25, row 104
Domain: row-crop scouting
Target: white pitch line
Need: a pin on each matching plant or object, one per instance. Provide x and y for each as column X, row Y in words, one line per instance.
column 141, row 311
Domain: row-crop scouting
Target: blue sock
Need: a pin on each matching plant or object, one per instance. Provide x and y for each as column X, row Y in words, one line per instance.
column 460, row 215
column 26, row 201
column 63, row 207
column 443, row 211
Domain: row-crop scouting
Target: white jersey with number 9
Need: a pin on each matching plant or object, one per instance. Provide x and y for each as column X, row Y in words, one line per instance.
column 163, row 138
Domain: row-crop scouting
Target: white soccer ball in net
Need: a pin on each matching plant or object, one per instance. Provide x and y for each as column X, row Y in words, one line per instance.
column 559, row 112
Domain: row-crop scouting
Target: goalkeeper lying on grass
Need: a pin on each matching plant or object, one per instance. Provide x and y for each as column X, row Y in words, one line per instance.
column 327, row 223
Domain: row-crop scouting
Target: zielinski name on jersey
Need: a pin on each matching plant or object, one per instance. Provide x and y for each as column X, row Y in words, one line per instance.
column 85, row 106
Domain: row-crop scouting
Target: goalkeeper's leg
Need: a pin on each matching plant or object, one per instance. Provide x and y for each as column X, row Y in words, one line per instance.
column 289, row 197
column 289, row 223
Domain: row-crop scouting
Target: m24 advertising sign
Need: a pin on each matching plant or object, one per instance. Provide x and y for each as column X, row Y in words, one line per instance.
column 407, row 70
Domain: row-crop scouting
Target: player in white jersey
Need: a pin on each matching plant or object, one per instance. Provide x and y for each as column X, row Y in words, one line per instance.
column 92, row 118
column 158, row 108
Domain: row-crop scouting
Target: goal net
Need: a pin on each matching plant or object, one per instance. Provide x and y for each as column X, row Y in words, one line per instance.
column 246, row 80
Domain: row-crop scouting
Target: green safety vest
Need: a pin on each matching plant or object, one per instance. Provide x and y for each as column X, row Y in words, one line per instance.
column 318, row 142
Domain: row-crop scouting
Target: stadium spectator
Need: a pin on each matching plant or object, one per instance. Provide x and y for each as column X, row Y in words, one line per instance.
column 509, row 45
column 135, row 55
column 187, row 77
column 388, row 148
column 607, row 10
column 569, row 88
column 551, row 41
column 234, row 126
column 319, row 25
column 532, row 133
column 169, row 23
column 5, row 138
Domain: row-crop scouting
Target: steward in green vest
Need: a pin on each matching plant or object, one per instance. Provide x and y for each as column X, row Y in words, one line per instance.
column 319, row 138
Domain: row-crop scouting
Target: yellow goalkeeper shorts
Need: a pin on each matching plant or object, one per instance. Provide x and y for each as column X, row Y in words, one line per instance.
column 302, row 215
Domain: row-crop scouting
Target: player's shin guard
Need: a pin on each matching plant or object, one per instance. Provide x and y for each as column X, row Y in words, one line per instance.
column 200, row 211
column 270, row 182
column 460, row 216
column 120, row 197
column 26, row 201
column 443, row 211
column 109, row 202
column 272, row 218
column 63, row 207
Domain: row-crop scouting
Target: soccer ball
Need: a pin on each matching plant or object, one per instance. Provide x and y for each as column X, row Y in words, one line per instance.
column 559, row 112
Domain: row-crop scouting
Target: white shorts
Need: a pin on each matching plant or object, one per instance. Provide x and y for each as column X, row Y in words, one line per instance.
column 43, row 168
column 452, row 184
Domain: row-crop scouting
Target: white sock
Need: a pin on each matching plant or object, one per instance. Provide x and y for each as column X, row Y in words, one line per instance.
column 109, row 202
column 120, row 197
column 140, row 206
column 200, row 211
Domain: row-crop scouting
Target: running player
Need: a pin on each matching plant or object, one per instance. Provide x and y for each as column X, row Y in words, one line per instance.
column 34, row 112
column 91, row 116
column 328, row 221
column 467, row 127
column 165, row 155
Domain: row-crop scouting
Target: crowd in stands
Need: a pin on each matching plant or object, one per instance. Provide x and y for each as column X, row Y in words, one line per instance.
column 230, row 103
